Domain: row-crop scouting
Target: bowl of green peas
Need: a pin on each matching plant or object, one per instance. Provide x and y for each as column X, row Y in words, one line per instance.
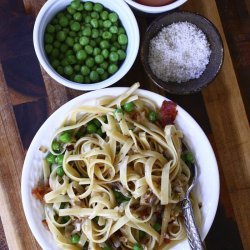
column 86, row 45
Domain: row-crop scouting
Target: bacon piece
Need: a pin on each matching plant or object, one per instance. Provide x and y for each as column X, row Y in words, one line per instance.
column 168, row 113
column 40, row 191
column 45, row 224
column 167, row 241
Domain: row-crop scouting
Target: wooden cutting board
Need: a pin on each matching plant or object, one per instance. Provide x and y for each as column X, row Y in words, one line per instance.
column 28, row 96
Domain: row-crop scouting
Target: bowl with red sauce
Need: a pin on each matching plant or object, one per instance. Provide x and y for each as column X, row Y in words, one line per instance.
column 155, row 6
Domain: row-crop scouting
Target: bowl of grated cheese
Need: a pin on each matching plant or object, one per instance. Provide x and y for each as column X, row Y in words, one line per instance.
column 182, row 52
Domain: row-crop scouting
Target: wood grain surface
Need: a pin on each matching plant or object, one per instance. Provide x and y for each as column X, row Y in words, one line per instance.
column 28, row 96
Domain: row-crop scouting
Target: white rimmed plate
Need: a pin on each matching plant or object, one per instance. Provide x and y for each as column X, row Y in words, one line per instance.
column 207, row 189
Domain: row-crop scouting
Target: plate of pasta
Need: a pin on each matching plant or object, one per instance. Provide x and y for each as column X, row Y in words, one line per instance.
column 109, row 169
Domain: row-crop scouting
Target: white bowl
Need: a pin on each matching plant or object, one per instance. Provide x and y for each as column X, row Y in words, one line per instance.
column 127, row 18
column 152, row 10
column 207, row 188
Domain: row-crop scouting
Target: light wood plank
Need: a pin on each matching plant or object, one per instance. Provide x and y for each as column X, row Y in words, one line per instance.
column 230, row 126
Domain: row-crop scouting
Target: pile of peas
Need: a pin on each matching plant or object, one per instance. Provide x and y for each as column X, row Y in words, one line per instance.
column 86, row 42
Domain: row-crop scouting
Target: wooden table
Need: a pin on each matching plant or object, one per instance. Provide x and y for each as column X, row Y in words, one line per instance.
column 28, row 96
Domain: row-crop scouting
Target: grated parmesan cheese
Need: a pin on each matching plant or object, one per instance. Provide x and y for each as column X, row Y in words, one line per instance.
column 179, row 52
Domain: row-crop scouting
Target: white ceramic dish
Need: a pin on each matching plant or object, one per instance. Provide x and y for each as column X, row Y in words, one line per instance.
column 128, row 21
column 154, row 10
column 207, row 189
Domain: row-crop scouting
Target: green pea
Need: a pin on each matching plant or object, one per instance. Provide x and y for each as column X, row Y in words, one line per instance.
column 99, row 59
column 94, row 23
column 77, row 47
column 122, row 55
column 64, row 63
column 188, row 157
column 68, row 70
column 97, row 123
column 60, row 171
column 87, row 31
column 91, row 128
column 57, row 27
column 90, row 62
column 106, row 35
column 114, row 49
column 98, row 7
column 84, row 40
column 129, row 106
column 48, row 48
column 81, row 55
column 65, row 219
column 69, row 41
column 112, row 69
column 65, row 137
column 50, row 28
column 104, row 44
column 97, row 51
column 100, row 22
column 50, row 158
column 75, row 238
column 121, row 30
column 63, row 21
column 88, row 49
column 107, row 24
column 157, row 227
column 104, row 65
column 64, row 48
column 48, row 38
column 87, row 19
column 59, row 159
column 88, row 6
column 137, row 247
column 113, row 17
column 77, row 68
column 78, row 78
column 105, row 53
column 55, row 146
column 75, row 26
column 71, row 10
column 61, row 36
column 77, row 16
column 152, row 116
column 55, row 53
column 113, row 29
column 59, row 70
column 92, row 43
column 104, row 15
column 87, row 79
column 100, row 71
column 72, row 34
column 113, row 57
column 104, row 76
column 94, row 15
column 122, row 39
column 69, row 52
column 75, row 4
column 71, row 59
column 95, row 33
column 114, row 39
column 85, row 70
column 94, row 76
column 107, row 248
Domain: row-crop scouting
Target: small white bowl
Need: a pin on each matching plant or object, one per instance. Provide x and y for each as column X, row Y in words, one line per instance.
column 153, row 10
column 127, row 18
column 206, row 190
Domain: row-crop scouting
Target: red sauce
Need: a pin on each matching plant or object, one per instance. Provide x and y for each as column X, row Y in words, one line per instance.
column 154, row 3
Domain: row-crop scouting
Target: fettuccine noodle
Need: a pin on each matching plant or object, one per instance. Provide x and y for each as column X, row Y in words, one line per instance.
column 118, row 187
